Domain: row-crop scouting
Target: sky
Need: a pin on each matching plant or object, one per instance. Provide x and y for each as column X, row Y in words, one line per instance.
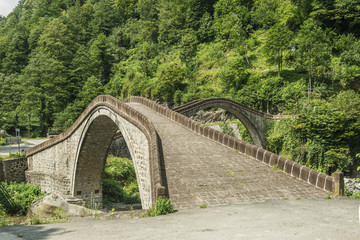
column 6, row 6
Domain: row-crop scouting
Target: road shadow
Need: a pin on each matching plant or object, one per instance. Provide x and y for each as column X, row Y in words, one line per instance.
column 32, row 232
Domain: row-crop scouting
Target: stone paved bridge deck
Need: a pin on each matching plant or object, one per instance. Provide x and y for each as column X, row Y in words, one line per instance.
column 201, row 171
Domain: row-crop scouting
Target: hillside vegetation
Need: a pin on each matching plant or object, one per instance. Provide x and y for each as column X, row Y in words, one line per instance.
column 299, row 57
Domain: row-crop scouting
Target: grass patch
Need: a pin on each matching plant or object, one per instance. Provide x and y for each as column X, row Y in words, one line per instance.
column 13, row 155
column 202, row 206
column 230, row 173
column 355, row 195
column 163, row 206
column 275, row 168
column 240, row 185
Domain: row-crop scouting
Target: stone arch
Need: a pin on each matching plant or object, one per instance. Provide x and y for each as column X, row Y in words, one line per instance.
column 96, row 137
column 252, row 120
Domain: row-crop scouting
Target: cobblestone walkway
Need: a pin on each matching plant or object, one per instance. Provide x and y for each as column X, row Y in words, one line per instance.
column 200, row 171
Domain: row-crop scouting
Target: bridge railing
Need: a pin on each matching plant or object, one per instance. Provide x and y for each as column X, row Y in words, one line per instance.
column 333, row 184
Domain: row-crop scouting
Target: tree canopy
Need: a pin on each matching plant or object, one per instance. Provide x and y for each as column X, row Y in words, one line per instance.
column 279, row 56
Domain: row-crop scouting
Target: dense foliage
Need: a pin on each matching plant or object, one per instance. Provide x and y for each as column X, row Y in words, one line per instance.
column 119, row 183
column 279, row 56
column 23, row 195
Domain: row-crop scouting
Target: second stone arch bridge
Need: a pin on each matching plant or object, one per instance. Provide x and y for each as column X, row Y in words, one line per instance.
column 173, row 156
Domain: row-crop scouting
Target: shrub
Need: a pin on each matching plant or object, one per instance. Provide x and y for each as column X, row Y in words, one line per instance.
column 163, row 206
column 120, row 184
column 121, row 170
column 24, row 195
column 112, row 191
column 226, row 128
column 3, row 216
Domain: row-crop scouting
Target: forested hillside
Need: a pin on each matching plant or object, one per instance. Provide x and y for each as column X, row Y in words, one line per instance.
column 299, row 57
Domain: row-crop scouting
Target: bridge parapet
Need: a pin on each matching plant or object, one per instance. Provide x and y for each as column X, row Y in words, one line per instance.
column 328, row 183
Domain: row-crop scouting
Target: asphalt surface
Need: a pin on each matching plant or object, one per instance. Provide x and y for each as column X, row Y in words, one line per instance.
column 317, row 219
column 5, row 150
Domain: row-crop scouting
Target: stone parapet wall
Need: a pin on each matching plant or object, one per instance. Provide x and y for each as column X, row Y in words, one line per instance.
column 332, row 184
column 13, row 170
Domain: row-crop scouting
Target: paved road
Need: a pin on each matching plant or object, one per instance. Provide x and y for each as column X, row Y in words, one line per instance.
column 5, row 150
column 201, row 171
column 315, row 219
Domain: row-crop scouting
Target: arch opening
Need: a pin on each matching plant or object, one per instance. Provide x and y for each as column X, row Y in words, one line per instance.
column 228, row 121
column 95, row 142
column 120, row 187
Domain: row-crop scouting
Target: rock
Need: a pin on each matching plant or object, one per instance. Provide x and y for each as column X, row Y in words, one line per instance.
column 53, row 204
column 351, row 185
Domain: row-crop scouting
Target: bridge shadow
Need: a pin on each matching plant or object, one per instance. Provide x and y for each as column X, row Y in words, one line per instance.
column 163, row 167
column 31, row 232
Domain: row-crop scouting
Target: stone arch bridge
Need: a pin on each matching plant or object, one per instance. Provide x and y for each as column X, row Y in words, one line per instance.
column 252, row 119
column 173, row 156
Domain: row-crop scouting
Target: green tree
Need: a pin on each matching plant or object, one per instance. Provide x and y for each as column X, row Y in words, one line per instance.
column 16, row 51
column 277, row 43
column 170, row 78
column 45, row 86
column 313, row 51
column 57, row 41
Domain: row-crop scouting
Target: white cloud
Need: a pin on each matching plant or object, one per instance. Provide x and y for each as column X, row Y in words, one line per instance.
column 6, row 6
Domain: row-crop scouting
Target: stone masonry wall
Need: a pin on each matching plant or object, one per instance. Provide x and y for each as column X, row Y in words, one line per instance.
column 2, row 176
column 13, row 170
column 118, row 147
column 53, row 167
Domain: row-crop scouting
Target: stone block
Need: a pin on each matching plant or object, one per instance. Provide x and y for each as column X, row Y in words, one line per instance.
column 211, row 133
column 197, row 127
column 201, row 129
column 248, row 149
column 242, row 147
column 288, row 166
column 206, row 131
column 296, row 170
column 273, row 160
column 225, row 140
column 260, row 154
column 216, row 135
column 321, row 180
column 221, row 137
column 281, row 163
column 329, row 184
column 254, row 151
column 313, row 177
column 338, row 184
column 267, row 157
column 231, row 142
column 304, row 173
